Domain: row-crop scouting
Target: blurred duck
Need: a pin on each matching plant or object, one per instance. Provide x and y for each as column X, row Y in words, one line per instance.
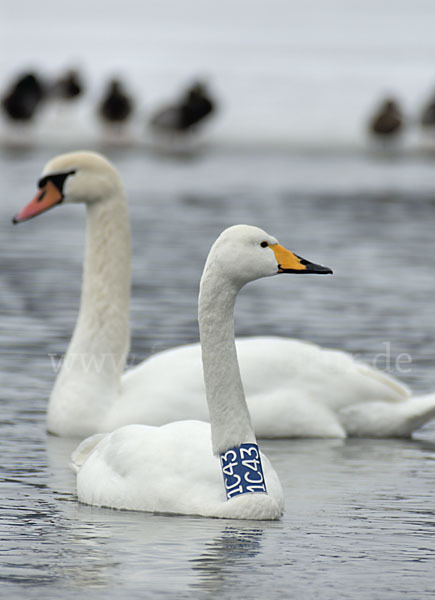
column 195, row 105
column 293, row 388
column 23, row 98
column 387, row 121
column 69, row 86
column 427, row 119
column 116, row 107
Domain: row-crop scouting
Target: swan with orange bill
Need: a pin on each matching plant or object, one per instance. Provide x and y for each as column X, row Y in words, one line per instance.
column 293, row 388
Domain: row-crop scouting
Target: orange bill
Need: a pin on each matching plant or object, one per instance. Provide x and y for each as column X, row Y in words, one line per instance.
column 47, row 197
column 288, row 262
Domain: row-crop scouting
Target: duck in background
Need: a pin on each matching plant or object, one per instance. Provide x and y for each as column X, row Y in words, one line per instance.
column 195, row 105
column 115, row 111
column 176, row 123
column 65, row 93
column 23, row 97
column 427, row 121
column 387, row 122
column 20, row 104
column 68, row 87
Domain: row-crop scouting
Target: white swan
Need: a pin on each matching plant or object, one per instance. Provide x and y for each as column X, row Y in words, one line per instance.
column 175, row 468
column 293, row 388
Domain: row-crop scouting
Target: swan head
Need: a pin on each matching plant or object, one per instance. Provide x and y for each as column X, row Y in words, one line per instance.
column 74, row 177
column 243, row 253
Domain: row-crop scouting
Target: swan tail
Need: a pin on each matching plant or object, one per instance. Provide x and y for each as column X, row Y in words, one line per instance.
column 393, row 390
column 418, row 410
column 386, row 419
column 83, row 450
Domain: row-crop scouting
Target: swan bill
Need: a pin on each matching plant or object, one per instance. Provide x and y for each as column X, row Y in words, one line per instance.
column 47, row 197
column 288, row 262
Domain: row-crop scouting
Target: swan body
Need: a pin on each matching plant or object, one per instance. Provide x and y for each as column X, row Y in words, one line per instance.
column 293, row 388
column 115, row 470
column 175, row 468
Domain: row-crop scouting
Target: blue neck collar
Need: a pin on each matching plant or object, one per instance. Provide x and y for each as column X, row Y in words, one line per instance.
column 242, row 471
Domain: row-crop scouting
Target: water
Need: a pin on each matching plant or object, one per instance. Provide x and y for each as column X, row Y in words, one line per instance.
column 359, row 523
column 359, row 518
column 287, row 153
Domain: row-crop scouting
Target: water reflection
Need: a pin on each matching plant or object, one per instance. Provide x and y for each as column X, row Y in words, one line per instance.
column 59, row 450
column 227, row 560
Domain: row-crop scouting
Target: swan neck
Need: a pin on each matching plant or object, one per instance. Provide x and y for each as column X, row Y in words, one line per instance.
column 108, row 254
column 104, row 307
column 90, row 377
column 229, row 416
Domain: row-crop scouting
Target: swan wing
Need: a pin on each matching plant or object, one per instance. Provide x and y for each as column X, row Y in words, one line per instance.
column 84, row 449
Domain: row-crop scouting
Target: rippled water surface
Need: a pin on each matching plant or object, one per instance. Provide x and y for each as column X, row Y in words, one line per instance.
column 360, row 516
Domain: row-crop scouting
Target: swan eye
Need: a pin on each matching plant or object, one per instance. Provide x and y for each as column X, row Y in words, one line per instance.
column 58, row 179
column 264, row 244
